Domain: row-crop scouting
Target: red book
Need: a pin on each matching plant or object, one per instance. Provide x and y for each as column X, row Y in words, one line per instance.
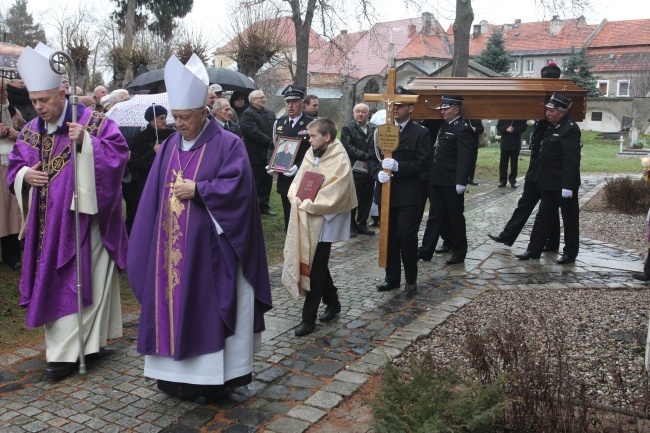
column 309, row 185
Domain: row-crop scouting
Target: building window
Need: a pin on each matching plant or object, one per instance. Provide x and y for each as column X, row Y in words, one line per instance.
column 597, row 116
column 603, row 86
column 514, row 66
column 530, row 66
column 623, row 88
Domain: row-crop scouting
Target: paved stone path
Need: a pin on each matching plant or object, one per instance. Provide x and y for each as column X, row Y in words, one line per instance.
column 297, row 380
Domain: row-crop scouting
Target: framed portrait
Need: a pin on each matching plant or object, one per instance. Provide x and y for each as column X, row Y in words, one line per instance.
column 284, row 153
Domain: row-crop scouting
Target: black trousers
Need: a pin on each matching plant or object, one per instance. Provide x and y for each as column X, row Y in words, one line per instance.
column 445, row 207
column 472, row 169
column 321, row 285
column 403, row 227
column 551, row 201
column 525, row 206
column 10, row 249
column 513, row 157
column 429, row 238
column 646, row 265
column 365, row 189
column 263, row 185
column 129, row 192
column 286, row 210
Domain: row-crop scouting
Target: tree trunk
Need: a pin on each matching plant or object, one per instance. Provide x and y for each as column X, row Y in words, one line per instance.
column 462, row 28
column 129, row 27
column 302, row 29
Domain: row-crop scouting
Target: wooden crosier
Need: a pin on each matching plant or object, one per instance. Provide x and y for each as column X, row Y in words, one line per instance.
column 388, row 142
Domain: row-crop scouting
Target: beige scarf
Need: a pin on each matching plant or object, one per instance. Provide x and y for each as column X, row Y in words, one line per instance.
column 336, row 195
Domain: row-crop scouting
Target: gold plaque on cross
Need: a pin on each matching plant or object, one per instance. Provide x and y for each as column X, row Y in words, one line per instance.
column 388, row 137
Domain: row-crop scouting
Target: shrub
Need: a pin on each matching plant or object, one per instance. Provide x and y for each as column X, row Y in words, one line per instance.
column 627, row 195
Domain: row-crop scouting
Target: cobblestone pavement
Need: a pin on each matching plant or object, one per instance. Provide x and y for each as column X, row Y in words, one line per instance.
column 297, row 380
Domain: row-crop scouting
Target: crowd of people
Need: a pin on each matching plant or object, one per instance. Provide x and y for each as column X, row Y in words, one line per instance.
column 192, row 240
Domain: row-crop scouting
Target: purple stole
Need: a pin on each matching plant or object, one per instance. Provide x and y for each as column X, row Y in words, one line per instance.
column 170, row 251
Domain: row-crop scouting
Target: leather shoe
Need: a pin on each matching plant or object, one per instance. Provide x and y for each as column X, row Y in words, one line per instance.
column 305, row 328
column 513, row 186
column 14, row 265
column 500, row 239
column 268, row 212
column 442, row 250
column 365, row 231
column 502, row 185
column 331, row 311
column 527, row 255
column 424, row 256
column 641, row 276
column 563, row 260
column 59, row 370
column 472, row 182
column 386, row 286
column 455, row 260
column 410, row 289
column 353, row 234
column 547, row 249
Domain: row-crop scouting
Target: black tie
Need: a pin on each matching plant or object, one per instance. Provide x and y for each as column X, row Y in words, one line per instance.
column 291, row 123
column 226, row 127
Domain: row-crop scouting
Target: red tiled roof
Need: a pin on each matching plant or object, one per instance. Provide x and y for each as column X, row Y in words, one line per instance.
column 618, row 59
column 537, row 36
column 433, row 46
column 369, row 54
column 285, row 30
column 623, row 33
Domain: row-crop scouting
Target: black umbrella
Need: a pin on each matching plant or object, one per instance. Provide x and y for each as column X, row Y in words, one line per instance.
column 227, row 79
column 231, row 80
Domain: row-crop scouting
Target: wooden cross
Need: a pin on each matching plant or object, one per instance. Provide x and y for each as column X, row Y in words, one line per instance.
column 388, row 142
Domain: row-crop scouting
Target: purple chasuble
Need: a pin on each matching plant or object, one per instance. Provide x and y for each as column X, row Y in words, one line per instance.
column 181, row 270
column 48, row 284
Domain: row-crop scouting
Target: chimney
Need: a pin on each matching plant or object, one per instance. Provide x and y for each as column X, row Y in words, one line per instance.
column 484, row 27
column 506, row 28
column 517, row 23
column 411, row 30
column 344, row 32
column 556, row 25
column 476, row 32
column 426, row 24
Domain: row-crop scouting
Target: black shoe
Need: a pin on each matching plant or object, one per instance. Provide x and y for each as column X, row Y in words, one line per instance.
column 331, row 311
column 386, row 286
column 353, row 234
column 305, row 328
column 527, row 255
column 410, row 289
column 455, row 260
column 641, row 276
column 442, row 250
column 365, row 231
column 14, row 265
column 472, row 182
column 563, row 260
column 547, row 249
column 513, row 186
column 59, row 370
column 502, row 185
column 500, row 239
column 268, row 212
column 375, row 222
column 425, row 257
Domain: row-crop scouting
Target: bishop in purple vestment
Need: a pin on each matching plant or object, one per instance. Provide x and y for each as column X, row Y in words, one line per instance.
column 41, row 175
column 197, row 261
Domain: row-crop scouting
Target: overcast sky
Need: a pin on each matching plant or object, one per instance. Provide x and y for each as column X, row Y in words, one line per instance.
column 208, row 15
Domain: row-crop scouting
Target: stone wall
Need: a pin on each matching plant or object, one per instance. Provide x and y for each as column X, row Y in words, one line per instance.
column 613, row 110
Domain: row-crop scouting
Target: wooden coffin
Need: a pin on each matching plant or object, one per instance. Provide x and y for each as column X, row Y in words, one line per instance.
column 496, row 98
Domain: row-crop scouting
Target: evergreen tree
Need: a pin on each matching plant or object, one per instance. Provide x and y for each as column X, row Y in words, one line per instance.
column 495, row 56
column 159, row 16
column 577, row 69
column 20, row 26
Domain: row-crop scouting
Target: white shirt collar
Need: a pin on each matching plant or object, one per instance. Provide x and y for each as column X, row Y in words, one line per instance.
column 403, row 125
column 295, row 119
column 51, row 127
column 187, row 145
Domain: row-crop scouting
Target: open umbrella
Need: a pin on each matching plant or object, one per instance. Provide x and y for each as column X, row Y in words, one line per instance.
column 226, row 78
column 231, row 80
column 131, row 112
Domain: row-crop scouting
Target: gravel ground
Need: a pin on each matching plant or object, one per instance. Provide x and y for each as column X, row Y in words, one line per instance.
column 604, row 329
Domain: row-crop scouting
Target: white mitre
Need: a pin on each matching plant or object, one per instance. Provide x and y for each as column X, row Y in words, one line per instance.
column 34, row 68
column 187, row 85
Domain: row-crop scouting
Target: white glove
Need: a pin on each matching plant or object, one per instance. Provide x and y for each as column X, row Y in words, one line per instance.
column 270, row 172
column 567, row 193
column 390, row 164
column 383, row 177
column 292, row 171
column 460, row 189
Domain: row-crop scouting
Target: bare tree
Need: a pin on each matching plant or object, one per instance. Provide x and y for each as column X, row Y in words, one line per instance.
column 639, row 84
column 256, row 35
